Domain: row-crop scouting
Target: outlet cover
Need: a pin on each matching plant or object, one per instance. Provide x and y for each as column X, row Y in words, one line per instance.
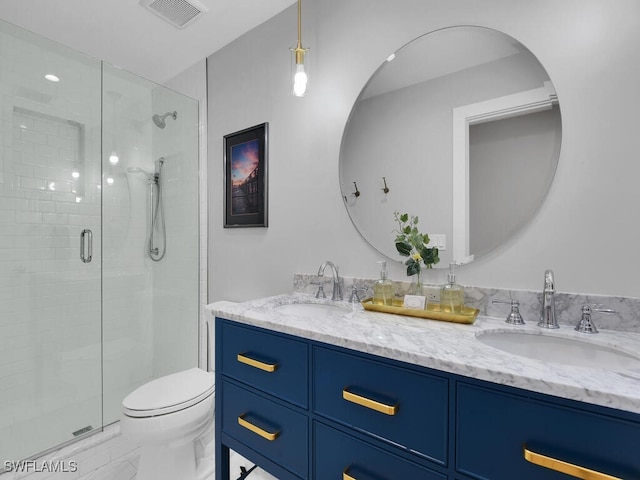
column 438, row 240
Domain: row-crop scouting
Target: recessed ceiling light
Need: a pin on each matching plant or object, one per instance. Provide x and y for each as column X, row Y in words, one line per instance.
column 51, row 77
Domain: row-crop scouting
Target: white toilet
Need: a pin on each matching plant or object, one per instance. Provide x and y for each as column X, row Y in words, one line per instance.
column 165, row 417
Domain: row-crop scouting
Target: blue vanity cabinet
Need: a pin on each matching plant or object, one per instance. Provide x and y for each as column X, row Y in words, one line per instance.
column 278, row 365
column 262, row 400
column 338, row 455
column 497, row 429
column 404, row 406
column 278, row 432
column 305, row 410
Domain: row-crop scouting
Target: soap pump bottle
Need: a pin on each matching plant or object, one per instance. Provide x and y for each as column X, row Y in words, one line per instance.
column 452, row 294
column 383, row 287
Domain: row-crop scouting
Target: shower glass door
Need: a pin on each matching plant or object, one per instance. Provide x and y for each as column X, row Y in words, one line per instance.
column 50, row 244
column 150, row 237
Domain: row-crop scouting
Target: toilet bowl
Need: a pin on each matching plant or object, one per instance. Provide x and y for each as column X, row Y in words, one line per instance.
column 165, row 417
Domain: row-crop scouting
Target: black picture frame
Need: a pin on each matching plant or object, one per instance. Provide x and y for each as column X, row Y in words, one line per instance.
column 245, row 184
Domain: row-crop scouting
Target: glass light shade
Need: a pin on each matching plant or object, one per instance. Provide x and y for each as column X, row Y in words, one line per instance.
column 299, row 72
column 300, row 80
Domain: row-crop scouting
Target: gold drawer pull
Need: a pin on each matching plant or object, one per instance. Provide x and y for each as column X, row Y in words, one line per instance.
column 368, row 403
column 267, row 367
column 346, row 476
column 565, row 467
column 255, row 429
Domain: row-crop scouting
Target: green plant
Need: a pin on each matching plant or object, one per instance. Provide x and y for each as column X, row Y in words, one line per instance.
column 413, row 244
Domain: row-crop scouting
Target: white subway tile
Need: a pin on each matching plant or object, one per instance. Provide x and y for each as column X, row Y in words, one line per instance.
column 32, row 183
column 28, row 217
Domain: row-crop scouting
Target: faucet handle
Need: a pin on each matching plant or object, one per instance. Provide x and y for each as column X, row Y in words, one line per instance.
column 320, row 293
column 355, row 293
column 585, row 325
column 514, row 317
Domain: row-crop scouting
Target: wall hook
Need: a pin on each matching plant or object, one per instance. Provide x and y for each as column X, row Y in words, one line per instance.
column 357, row 192
column 385, row 189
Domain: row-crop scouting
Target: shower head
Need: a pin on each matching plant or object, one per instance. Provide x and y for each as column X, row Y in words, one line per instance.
column 159, row 119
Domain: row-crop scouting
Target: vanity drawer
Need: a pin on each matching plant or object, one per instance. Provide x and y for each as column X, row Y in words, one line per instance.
column 495, row 427
column 269, row 428
column 340, row 456
column 397, row 404
column 272, row 363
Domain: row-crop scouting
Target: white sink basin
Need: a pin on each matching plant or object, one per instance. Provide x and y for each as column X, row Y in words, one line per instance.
column 567, row 351
column 312, row 309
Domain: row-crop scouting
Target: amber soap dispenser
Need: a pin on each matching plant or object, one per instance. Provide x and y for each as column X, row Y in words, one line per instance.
column 452, row 294
column 383, row 287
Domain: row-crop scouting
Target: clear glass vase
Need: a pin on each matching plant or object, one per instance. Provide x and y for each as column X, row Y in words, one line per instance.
column 416, row 287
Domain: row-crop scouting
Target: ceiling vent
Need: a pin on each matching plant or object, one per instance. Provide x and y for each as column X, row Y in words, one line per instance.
column 179, row 13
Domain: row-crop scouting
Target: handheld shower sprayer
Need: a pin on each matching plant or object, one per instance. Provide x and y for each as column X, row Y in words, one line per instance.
column 159, row 120
column 156, row 247
column 150, row 177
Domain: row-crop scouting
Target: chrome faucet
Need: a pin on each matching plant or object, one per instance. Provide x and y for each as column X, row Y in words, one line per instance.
column 337, row 289
column 548, row 317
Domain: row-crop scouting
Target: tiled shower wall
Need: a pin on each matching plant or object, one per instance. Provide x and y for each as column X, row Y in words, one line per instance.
column 175, row 277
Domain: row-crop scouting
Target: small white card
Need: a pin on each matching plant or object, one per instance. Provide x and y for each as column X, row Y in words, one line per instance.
column 415, row 301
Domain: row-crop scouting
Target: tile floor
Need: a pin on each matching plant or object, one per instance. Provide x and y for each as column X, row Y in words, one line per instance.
column 110, row 456
column 104, row 455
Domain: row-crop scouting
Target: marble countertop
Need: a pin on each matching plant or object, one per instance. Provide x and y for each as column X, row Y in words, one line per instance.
column 450, row 347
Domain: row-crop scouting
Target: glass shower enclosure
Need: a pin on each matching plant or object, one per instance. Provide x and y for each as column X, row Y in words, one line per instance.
column 98, row 240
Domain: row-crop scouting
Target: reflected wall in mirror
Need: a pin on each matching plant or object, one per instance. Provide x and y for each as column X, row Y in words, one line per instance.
column 460, row 127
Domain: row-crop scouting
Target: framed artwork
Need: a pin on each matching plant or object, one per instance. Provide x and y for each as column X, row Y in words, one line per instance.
column 245, row 183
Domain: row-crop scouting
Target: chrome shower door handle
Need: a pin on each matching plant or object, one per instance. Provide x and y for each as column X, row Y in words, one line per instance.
column 86, row 236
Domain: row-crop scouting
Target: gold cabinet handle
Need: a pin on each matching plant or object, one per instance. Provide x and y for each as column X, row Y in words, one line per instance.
column 565, row 467
column 346, row 476
column 267, row 367
column 368, row 403
column 255, row 429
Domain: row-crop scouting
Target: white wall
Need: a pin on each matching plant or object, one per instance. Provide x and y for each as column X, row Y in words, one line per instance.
column 588, row 47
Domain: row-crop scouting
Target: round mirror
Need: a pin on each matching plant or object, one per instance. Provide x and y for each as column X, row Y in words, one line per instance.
column 461, row 128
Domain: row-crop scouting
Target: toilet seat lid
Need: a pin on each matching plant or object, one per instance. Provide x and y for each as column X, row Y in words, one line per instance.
column 169, row 393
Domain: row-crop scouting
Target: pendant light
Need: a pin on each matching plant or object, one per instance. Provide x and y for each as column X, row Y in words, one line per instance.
column 299, row 69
